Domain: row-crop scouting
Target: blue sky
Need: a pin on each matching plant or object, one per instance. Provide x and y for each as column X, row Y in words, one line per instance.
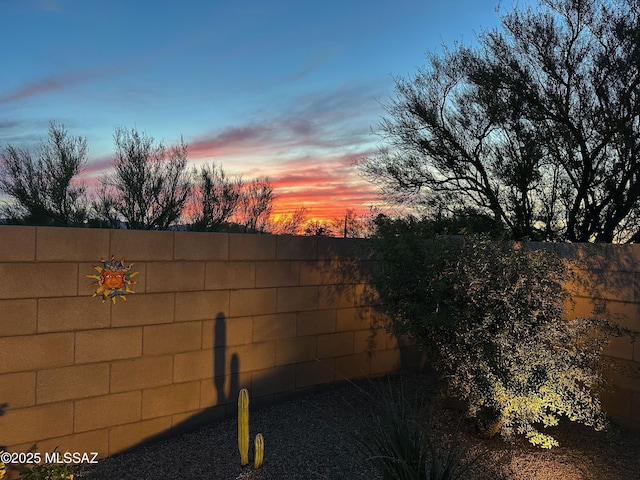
column 291, row 89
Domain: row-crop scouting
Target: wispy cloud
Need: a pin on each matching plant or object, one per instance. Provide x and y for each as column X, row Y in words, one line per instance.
column 54, row 83
column 315, row 62
column 307, row 150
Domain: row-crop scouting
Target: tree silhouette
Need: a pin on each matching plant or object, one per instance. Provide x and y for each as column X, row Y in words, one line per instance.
column 150, row 184
column 537, row 127
column 43, row 186
column 215, row 198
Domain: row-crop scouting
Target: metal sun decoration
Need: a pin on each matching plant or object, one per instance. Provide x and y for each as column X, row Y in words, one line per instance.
column 113, row 279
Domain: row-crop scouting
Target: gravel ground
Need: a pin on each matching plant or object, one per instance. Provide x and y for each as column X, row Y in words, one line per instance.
column 311, row 437
column 315, row 437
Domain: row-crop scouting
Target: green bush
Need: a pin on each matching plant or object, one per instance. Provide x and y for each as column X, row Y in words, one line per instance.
column 490, row 315
column 48, row 471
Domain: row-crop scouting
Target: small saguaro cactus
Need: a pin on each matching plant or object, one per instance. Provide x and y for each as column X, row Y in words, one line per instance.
column 257, row 462
column 243, row 426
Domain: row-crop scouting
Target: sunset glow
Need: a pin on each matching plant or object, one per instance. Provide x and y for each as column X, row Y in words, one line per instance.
column 259, row 88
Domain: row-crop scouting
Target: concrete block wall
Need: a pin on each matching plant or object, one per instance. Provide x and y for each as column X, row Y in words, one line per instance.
column 608, row 284
column 212, row 313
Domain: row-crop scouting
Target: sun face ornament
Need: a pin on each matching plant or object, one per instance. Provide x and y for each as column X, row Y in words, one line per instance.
column 113, row 279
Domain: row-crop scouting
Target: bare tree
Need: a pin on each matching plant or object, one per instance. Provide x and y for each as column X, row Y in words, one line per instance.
column 45, row 189
column 150, row 184
column 290, row 224
column 319, row 228
column 538, row 127
column 351, row 225
column 215, row 198
column 256, row 203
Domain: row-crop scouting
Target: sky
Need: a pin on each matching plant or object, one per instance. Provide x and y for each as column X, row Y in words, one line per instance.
column 290, row 89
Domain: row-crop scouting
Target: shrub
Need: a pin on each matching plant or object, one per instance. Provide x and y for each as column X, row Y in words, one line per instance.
column 48, row 471
column 491, row 318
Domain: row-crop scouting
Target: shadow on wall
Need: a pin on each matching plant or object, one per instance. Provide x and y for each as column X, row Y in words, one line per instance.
column 226, row 370
column 345, row 277
column 225, row 382
column 219, row 366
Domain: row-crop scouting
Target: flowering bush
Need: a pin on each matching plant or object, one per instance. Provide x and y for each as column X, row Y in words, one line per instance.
column 491, row 318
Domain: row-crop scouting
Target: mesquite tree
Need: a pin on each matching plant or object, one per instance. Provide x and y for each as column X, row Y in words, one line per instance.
column 536, row 127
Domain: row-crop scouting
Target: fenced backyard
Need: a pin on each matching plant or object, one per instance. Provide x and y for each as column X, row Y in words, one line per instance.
column 213, row 313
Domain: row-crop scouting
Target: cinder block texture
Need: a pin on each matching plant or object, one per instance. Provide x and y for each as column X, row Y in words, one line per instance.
column 18, row 389
column 252, row 247
column 335, row 344
column 350, row 319
column 196, row 365
column 316, row 322
column 108, row 344
column 256, row 356
column 142, row 245
column 34, row 352
column 144, row 309
column 18, row 317
column 273, row 380
column 31, row 424
column 66, row 383
column 17, row 244
column 124, row 437
column 277, row 274
column 316, row 372
column 252, row 302
column 296, row 248
column 174, row 276
column 386, row 361
column 35, row 280
column 163, row 401
column 142, row 372
column 272, row 327
column 295, row 350
column 296, row 299
column 201, row 305
column 230, row 275
column 73, row 313
column 106, row 411
column 98, row 440
column 214, row 313
column 71, row 244
column 172, row 338
column 201, row 246
column 224, row 332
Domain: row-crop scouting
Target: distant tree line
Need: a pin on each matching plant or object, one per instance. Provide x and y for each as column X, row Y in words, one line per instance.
column 149, row 187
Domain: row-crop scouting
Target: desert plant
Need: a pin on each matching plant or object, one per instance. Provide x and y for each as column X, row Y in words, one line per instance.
column 491, row 317
column 402, row 443
column 259, row 451
column 48, row 471
column 243, row 426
